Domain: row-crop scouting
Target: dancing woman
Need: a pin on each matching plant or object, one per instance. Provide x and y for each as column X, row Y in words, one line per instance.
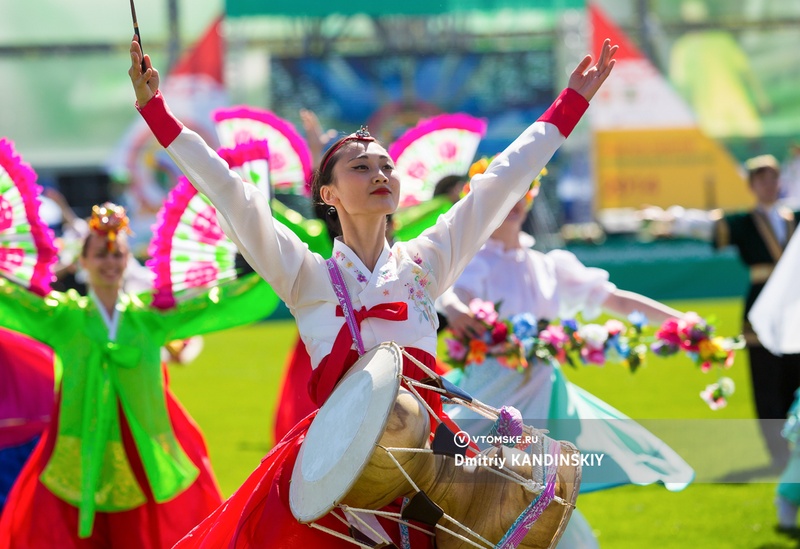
column 121, row 464
column 391, row 288
column 548, row 286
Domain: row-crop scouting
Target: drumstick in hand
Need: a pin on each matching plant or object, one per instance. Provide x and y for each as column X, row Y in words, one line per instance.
column 136, row 32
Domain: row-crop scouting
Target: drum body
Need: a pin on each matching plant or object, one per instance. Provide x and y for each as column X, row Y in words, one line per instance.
column 471, row 493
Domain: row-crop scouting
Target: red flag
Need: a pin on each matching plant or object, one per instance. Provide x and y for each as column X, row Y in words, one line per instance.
column 206, row 57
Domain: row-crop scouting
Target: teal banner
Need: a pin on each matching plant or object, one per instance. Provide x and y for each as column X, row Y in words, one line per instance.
column 319, row 8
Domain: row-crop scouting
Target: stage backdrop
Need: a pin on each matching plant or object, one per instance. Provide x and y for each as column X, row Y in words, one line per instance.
column 391, row 93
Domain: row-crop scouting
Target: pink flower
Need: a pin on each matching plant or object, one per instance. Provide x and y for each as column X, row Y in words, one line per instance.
column 483, row 311
column 729, row 359
column 712, row 398
column 614, row 327
column 455, row 349
column 669, row 332
column 593, row 356
column 554, row 335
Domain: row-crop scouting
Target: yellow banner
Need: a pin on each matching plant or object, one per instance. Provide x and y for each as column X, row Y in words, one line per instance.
column 666, row 167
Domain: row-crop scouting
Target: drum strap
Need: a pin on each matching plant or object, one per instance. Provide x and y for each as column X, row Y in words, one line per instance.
column 531, row 514
column 340, row 289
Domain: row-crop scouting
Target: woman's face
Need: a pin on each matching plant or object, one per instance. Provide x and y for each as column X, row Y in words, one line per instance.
column 512, row 224
column 364, row 182
column 105, row 268
column 516, row 217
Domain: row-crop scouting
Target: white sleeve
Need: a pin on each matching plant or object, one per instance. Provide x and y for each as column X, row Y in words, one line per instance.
column 458, row 235
column 580, row 288
column 271, row 248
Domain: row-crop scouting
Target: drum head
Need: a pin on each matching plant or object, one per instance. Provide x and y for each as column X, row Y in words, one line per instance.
column 343, row 435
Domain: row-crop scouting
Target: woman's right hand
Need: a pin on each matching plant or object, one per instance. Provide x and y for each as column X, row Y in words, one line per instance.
column 465, row 325
column 145, row 84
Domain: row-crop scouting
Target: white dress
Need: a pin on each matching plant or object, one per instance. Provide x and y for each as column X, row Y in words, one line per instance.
column 416, row 271
column 550, row 286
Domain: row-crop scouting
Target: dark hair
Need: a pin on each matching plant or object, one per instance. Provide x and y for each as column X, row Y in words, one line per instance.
column 752, row 174
column 447, row 183
column 85, row 245
column 324, row 176
column 321, row 178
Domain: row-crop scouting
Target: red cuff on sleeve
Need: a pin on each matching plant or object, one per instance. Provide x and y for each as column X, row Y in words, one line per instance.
column 566, row 111
column 162, row 122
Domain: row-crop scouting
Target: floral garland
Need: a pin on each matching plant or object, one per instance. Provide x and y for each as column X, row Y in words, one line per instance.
column 516, row 341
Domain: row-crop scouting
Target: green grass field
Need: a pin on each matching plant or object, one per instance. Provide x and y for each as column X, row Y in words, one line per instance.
column 232, row 387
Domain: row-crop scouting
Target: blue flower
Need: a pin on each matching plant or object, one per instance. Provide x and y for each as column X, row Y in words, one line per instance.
column 638, row 319
column 662, row 348
column 620, row 345
column 524, row 325
column 571, row 325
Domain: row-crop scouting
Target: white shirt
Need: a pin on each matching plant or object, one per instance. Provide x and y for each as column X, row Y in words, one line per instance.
column 416, row 272
column 777, row 222
column 549, row 286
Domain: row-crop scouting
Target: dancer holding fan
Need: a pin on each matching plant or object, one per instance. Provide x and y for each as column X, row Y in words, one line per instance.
column 121, row 464
column 395, row 285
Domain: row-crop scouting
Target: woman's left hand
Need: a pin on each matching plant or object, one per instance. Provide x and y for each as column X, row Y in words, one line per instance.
column 585, row 80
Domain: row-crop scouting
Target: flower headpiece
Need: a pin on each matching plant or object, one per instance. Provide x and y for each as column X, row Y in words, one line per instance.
column 481, row 165
column 109, row 219
column 361, row 135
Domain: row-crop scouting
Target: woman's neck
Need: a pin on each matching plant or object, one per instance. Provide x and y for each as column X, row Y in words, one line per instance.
column 508, row 236
column 107, row 297
column 366, row 238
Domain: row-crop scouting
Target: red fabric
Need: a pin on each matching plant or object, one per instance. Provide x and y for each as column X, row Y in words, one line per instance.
column 258, row 514
column 27, row 388
column 36, row 519
column 325, row 377
column 162, row 122
column 294, row 402
column 566, row 111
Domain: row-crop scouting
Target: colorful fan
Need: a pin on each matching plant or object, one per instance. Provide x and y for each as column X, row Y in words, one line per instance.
column 433, row 149
column 250, row 159
column 189, row 250
column 27, row 252
column 290, row 157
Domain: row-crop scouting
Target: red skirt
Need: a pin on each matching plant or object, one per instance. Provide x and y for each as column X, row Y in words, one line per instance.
column 27, row 388
column 258, row 514
column 294, row 402
column 36, row 519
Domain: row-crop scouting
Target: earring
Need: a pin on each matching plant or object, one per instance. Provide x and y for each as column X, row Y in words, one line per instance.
column 332, row 211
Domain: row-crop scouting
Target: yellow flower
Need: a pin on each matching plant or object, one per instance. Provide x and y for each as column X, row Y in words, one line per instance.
column 709, row 348
column 478, row 167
